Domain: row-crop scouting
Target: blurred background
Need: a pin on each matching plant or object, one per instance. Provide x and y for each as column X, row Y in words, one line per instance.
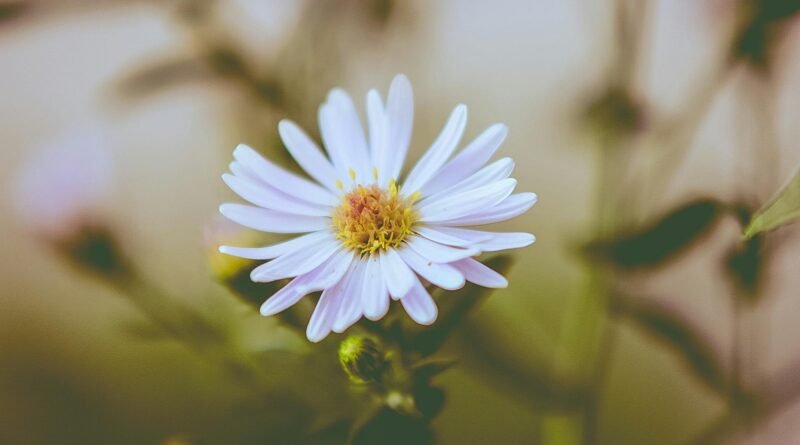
column 652, row 131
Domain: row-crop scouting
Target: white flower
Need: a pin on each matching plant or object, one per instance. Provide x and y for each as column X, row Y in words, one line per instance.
column 366, row 237
column 60, row 189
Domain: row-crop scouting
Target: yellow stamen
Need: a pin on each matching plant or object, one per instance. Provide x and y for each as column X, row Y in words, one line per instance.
column 372, row 219
column 339, row 185
column 375, row 173
column 352, row 173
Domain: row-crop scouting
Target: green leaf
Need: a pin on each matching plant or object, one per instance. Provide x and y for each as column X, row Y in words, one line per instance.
column 13, row 10
column 453, row 309
column 660, row 241
column 668, row 327
column 782, row 209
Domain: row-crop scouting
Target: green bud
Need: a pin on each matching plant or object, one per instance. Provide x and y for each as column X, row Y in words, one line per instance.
column 362, row 359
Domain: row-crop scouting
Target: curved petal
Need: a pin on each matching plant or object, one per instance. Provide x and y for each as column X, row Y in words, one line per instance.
column 306, row 152
column 344, row 136
column 378, row 137
column 271, row 220
column 324, row 314
column 476, row 272
column 400, row 120
column 271, row 198
column 439, row 152
column 494, row 172
column 512, row 206
column 375, row 296
column 399, row 278
column 435, row 233
column 442, row 275
column 419, row 305
column 507, row 240
column 323, row 276
column 469, row 237
column 466, row 203
column 469, row 160
column 350, row 308
column 295, row 263
column 281, row 179
column 276, row 250
column 438, row 253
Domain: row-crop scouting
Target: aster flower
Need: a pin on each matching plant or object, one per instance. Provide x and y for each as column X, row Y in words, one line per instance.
column 366, row 237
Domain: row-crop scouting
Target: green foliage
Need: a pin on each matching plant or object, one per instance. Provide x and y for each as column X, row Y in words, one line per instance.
column 784, row 208
column 662, row 240
column 694, row 350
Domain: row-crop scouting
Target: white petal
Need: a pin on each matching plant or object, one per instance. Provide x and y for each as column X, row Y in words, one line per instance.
column 400, row 120
column 466, row 203
column 276, row 250
column 438, row 253
column 474, row 271
column 269, row 197
column 509, row 240
column 281, row 179
column 330, row 272
column 301, row 286
column 306, row 152
column 378, row 136
column 350, row 308
column 442, row 275
column 325, row 313
column 399, row 278
column 439, row 152
column 344, row 136
column 469, row 160
column 514, row 205
column 419, row 305
column 287, row 296
column 271, row 220
column 470, row 237
column 325, row 275
column 375, row 297
column 435, row 233
column 295, row 263
column 494, row 172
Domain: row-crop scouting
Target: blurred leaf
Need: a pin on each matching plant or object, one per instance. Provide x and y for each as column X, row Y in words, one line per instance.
column 162, row 75
column 745, row 264
column 453, row 309
column 334, row 434
column 429, row 400
column 784, row 208
column 388, row 427
column 661, row 241
column 426, row 369
column 12, row 10
column 757, row 36
column 614, row 113
column 144, row 330
column 497, row 364
column 669, row 328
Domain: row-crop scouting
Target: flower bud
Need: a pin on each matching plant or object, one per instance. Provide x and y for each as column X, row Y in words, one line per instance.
column 362, row 359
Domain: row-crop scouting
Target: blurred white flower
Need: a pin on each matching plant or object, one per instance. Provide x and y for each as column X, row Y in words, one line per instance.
column 366, row 238
column 59, row 189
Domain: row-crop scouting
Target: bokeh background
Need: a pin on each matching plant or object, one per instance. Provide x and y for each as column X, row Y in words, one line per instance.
column 651, row 131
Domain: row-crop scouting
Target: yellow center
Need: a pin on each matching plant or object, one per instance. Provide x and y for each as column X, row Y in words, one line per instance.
column 371, row 219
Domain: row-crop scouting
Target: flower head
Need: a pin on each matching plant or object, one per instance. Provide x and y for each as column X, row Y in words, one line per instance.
column 366, row 236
